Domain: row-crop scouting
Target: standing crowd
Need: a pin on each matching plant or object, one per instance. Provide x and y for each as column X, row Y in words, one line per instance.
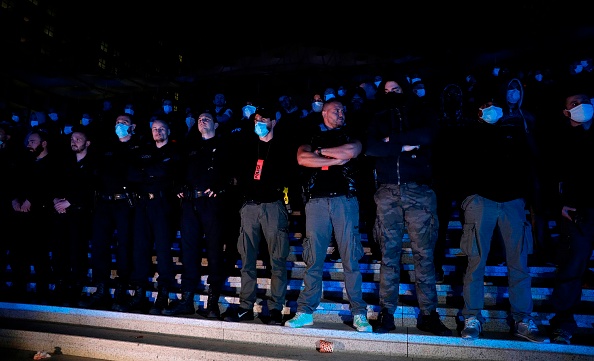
column 389, row 156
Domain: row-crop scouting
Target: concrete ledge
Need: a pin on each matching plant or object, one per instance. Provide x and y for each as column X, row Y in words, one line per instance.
column 405, row 342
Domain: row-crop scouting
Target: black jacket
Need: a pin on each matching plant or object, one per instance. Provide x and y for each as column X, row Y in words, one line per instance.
column 403, row 123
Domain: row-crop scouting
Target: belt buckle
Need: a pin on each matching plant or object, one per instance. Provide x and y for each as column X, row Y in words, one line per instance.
column 119, row 196
column 151, row 196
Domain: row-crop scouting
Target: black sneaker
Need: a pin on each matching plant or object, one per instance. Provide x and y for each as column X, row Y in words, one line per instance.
column 560, row 336
column 212, row 312
column 385, row 321
column 137, row 302
column 183, row 306
column 432, row 323
column 276, row 317
column 239, row 314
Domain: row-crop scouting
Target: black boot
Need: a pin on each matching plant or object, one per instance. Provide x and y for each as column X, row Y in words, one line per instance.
column 128, row 303
column 185, row 306
column 43, row 295
column 212, row 306
column 161, row 301
column 99, row 300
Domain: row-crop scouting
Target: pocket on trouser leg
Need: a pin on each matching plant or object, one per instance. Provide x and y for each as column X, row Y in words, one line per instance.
column 306, row 254
column 528, row 244
column 469, row 241
column 280, row 248
column 241, row 242
column 357, row 247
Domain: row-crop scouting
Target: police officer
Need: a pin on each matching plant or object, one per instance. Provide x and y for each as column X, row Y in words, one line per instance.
column 73, row 208
column 32, row 205
column 114, row 210
column 153, row 173
column 205, row 177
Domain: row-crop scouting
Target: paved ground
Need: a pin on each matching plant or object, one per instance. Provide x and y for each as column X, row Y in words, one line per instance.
column 21, row 355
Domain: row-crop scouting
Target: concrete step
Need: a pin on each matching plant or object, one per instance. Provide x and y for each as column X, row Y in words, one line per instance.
column 334, row 306
column 124, row 336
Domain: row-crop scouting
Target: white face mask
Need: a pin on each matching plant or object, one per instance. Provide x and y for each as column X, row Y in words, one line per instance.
column 492, row 114
column 582, row 113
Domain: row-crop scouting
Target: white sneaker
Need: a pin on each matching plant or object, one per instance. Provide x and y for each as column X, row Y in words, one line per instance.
column 301, row 319
column 361, row 324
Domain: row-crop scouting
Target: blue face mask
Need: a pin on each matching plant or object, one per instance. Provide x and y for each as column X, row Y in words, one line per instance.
column 513, row 96
column 538, row 77
column 129, row 111
column 317, row 106
column 85, row 121
column 122, row 130
column 34, row 123
column 167, row 109
column 68, row 129
column 261, row 129
column 248, row 110
column 53, row 116
column 341, row 92
column 15, row 118
column 492, row 114
column 189, row 122
column 328, row 96
column 420, row 92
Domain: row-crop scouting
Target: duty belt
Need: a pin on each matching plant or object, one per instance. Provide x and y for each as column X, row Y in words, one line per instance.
column 195, row 194
column 114, row 196
column 328, row 195
column 148, row 195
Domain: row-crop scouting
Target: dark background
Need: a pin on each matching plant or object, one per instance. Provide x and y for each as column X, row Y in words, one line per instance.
column 193, row 49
